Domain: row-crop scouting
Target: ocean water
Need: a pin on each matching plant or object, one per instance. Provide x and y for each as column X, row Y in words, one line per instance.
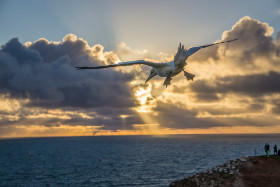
column 119, row 160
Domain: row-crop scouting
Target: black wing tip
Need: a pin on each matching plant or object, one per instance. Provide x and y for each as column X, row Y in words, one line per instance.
column 224, row 42
column 232, row 40
column 79, row 68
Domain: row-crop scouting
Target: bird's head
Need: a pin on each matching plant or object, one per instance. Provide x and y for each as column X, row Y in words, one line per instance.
column 152, row 74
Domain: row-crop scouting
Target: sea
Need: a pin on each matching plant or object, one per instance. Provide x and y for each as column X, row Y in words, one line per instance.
column 120, row 160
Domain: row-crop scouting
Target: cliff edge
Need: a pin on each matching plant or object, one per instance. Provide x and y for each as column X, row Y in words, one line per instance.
column 257, row 171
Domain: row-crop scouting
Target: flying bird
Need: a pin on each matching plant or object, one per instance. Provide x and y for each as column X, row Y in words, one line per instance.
column 168, row 69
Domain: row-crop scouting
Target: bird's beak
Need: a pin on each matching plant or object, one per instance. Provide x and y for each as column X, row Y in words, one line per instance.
column 150, row 76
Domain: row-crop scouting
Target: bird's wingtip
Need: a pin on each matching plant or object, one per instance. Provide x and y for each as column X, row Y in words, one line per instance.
column 232, row 40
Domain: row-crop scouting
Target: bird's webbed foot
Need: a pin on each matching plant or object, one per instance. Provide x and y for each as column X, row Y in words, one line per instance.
column 167, row 81
column 189, row 76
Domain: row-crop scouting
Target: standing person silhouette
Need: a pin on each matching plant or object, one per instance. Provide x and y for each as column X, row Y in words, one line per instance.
column 275, row 149
column 266, row 148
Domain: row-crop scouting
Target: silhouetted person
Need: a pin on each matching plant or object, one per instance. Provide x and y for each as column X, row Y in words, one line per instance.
column 275, row 149
column 266, row 148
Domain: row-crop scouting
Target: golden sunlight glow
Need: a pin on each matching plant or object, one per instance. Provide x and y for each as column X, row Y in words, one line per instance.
column 43, row 131
column 57, row 113
column 142, row 96
column 123, row 116
column 10, row 105
column 140, row 129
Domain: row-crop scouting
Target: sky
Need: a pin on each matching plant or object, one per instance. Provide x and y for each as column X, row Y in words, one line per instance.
column 236, row 88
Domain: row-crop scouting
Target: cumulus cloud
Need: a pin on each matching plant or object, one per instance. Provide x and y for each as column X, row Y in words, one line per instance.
column 255, row 41
column 255, row 48
column 44, row 72
column 246, row 68
column 127, row 53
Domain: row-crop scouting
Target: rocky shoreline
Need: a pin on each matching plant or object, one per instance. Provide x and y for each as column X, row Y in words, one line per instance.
column 243, row 171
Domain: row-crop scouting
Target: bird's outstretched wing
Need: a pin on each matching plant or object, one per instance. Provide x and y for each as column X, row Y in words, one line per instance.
column 195, row 49
column 183, row 54
column 130, row 63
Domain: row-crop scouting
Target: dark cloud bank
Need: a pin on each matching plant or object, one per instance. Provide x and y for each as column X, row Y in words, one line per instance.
column 44, row 73
column 252, row 85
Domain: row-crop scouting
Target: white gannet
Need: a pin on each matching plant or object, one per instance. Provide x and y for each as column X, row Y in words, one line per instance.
column 168, row 69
